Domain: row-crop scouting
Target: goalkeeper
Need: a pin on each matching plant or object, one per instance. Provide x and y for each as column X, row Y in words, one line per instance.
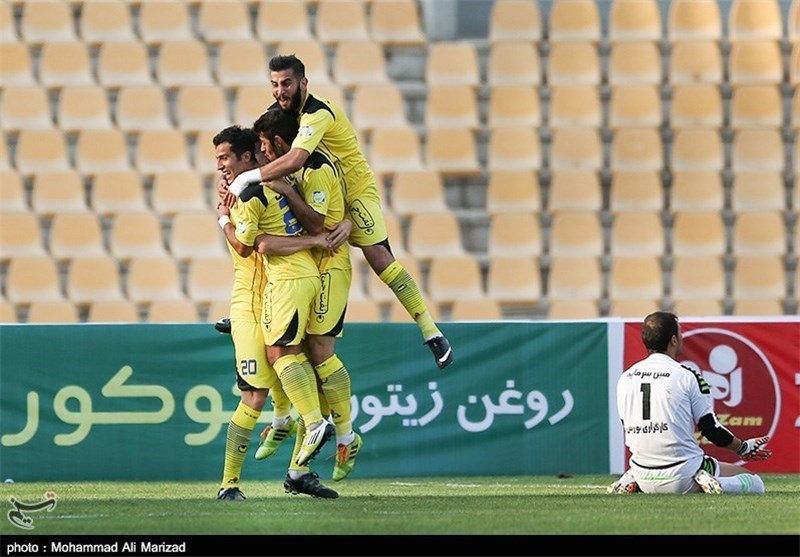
column 660, row 401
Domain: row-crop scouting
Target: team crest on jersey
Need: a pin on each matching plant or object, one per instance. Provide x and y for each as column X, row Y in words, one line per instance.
column 318, row 197
column 241, row 227
column 305, row 131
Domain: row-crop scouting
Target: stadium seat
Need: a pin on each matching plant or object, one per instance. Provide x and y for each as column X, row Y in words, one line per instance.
column 750, row 20
column 758, row 191
column 122, row 64
column 759, row 277
column 142, row 107
column 573, row 64
column 574, row 278
column 163, row 21
column 576, row 149
column 20, row 235
column 793, row 23
column 8, row 29
column 514, row 20
column 65, row 63
column 46, row 21
column 136, row 235
column 638, row 233
column 453, row 152
column 102, row 22
column 484, row 309
column 242, row 62
column 695, row 62
column 513, row 190
column 8, row 314
column 16, row 64
column 694, row 20
column 634, row 63
column 513, row 281
column 515, row 235
column 632, row 308
column 359, row 62
column 5, row 163
column 697, row 190
column 396, row 23
column 756, row 106
column 313, row 56
column 574, row 20
column 698, row 234
column 795, row 110
column 451, row 106
column 282, row 20
column 182, row 63
column 452, row 63
column 394, row 149
column 635, row 106
column 24, row 106
column 83, row 107
column 52, row 311
column 636, row 191
column 760, row 233
column 173, row 311
column 757, row 149
column 176, row 191
column 161, row 150
column 434, row 235
column 209, row 278
column 698, row 308
column 345, row 20
column 514, row 105
column 93, row 279
column 573, row 309
column 153, row 278
column 12, row 192
column 58, row 192
column 514, row 63
column 697, row 149
column 575, row 190
column 117, row 192
column 377, row 105
column 249, row 102
column 418, row 192
column 753, row 306
column 455, row 278
column 696, row 105
column 576, row 234
column 634, row 20
column 376, row 289
column 697, row 278
column 510, row 149
column 636, row 149
column 41, row 151
column 119, row 311
column 637, row 277
column 363, row 311
column 101, row 151
column 755, row 63
column 32, row 278
column 575, row 106
column 201, row 107
column 398, row 314
column 218, row 309
column 194, row 234
column 220, row 20
column 76, row 235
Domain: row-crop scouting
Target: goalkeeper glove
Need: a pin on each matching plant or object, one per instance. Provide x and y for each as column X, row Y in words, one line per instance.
column 751, row 449
column 223, row 326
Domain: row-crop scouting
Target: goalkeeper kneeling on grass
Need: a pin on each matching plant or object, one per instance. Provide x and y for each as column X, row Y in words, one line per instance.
column 660, row 402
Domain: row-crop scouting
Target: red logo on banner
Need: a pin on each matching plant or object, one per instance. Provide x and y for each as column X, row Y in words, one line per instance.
column 743, row 383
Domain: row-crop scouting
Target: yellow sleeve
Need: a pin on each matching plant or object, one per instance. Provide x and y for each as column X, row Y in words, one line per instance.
column 316, row 188
column 312, row 127
column 247, row 227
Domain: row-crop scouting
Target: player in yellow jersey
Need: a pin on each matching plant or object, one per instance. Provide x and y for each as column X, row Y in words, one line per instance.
column 321, row 198
column 256, row 322
column 323, row 124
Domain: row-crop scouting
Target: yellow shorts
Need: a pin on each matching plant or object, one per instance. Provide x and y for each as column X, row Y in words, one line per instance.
column 369, row 228
column 251, row 356
column 287, row 305
column 327, row 315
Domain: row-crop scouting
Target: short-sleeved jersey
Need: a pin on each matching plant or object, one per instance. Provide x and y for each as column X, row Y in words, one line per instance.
column 325, row 124
column 249, row 279
column 660, row 403
column 322, row 188
column 266, row 212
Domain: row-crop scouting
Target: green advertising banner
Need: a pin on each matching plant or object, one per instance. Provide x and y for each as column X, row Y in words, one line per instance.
column 152, row 402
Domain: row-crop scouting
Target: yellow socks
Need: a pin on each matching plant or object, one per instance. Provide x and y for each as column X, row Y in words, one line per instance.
column 240, row 430
column 300, row 386
column 397, row 278
column 336, row 386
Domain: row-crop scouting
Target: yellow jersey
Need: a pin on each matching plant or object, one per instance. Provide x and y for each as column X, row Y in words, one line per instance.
column 249, row 279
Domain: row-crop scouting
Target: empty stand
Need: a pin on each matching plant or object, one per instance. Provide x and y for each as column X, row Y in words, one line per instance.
column 344, row 20
column 695, row 62
column 634, row 20
column 452, row 63
column 752, row 306
column 632, row 308
column 55, row 192
column 760, row 233
column 201, row 107
column 153, row 278
column 93, row 279
column 8, row 314
column 434, row 235
column 634, row 63
column 162, row 150
column 363, row 311
column 636, row 149
column 123, row 63
column 451, row 106
column 574, row 20
column 312, row 54
column 52, row 311
column 174, row 191
column 12, row 192
column 575, row 106
column 698, row 307
column 76, row 235
column 101, row 151
column 755, row 20
column 25, row 106
column 182, row 63
column 41, row 151
column 635, row 106
column 161, row 21
column 359, row 62
column 377, row 106
column 396, row 23
column 694, row 20
column 573, row 309
column 82, row 107
column 136, row 235
column 15, row 64
column 173, row 311
column 46, row 21
column 194, row 234
column 696, row 106
column 484, row 309
column 574, row 278
column 697, row 190
column 455, row 278
column 20, row 235
column 102, row 22
column 575, row 190
column 395, row 149
column 635, row 234
column 418, row 192
column 210, row 278
column 698, row 234
column 514, row 105
column 8, row 29
column 453, row 152
column 32, row 278
column 576, row 149
column 116, row 311
column 697, row 149
column 514, row 20
column 219, row 20
column 756, row 106
column 697, row 278
column 758, row 191
column 755, row 63
column 573, row 64
column 759, row 277
column 515, row 235
column 282, row 20
column 117, row 192
column 65, row 63
column 576, row 234
column 635, row 278
column 512, row 149
column 514, row 63
column 757, row 149
column 513, row 281
column 142, row 107
column 636, row 191
column 242, row 62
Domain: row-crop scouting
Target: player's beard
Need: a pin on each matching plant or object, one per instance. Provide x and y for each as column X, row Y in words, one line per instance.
column 294, row 102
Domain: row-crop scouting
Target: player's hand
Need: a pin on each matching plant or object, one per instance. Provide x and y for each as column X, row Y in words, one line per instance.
column 339, row 233
column 281, row 187
column 751, row 449
column 226, row 198
column 223, row 210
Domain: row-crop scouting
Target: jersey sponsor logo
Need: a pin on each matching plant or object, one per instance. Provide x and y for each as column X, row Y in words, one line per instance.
column 739, row 377
column 318, row 197
column 241, row 227
column 305, row 131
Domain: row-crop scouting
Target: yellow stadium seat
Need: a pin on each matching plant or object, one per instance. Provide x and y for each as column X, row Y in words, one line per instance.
column 161, row 150
column 142, row 107
column 178, row 191
column 46, row 21
column 512, row 149
column 220, row 20
column 513, row 190
column 16, row 64
column 8, row 313
column 65, row 63
column 8, row 29
column 694, row 20
column 484, row 309
column 636, row 191
column 118, row 311
column 759, row 277
column 698, row 234
column 396, row 23
column 153, row 278
column 20, row 235
column 52, row 311
column 282, row 20
column 25, row 106
column 758, row 191
column 76, row 235
column 453, row 152
column 345, row 20
column 32, row 278
column 634, row 20
column 574, row 278
column 117, row 192
column 162, row 21
column 455, row 278
column 359, row 62
column 793, row 22
column 574, row 20
column 514, row 105
column 398, row 314
column 313, row 56
column 760, row 233
column 418, row 192
column 627, row 237
column 696, row 278
column 242, row 62
column 82, row 107
column 513, row 281
column 576, row 149
column 122, row 64
column 635, row 106
column 378, row 105
column 573, row 309
column 194, row 234
column 634, row 63
column 697, row 149
column 394, row 149
column 41, row 151
column 696, row 105
column 575, row 190
column 756, row 106
column 452, row 63
column 108, row 21
column 515, row 235
column 635, row 309
column 514, row 63
column 697, row 190
column 209, row 278
column 58, row 192
column 201, row 107
column 636, row 149
column 755, row 20
column 101, row 151
column 434, row 234
column 173, row 311
column 451, row 106
column 12, row 192
column 635, row 278
column 695, row 62
column 757, row 149
column 574, row 64
column 698, row 308
column 576, row 234
column 363, row 311
column 93, row 279
column 755, row 306
column 575, row 106
column 755, row 63
column 514, row 20
column 136, row 235
column 182, row 63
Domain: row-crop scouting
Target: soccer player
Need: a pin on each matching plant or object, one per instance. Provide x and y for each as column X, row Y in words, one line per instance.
column 326, row 125
column 291, row 284
column 660, row 401
column 321, row 197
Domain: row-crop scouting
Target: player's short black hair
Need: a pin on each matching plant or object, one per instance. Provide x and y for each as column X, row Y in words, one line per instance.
column 242, row 140
column 658, row 329
column 282, row 62
column 277, row 122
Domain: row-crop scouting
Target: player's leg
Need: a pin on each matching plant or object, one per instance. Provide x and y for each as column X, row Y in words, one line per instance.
column 283, row 425
column 624, row 485
column 738, row 479
column 300, row 478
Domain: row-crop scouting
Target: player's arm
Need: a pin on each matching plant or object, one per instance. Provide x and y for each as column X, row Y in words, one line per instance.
column 339, row 233
column 224, row 218
column 287, row 245
column 311, row 221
